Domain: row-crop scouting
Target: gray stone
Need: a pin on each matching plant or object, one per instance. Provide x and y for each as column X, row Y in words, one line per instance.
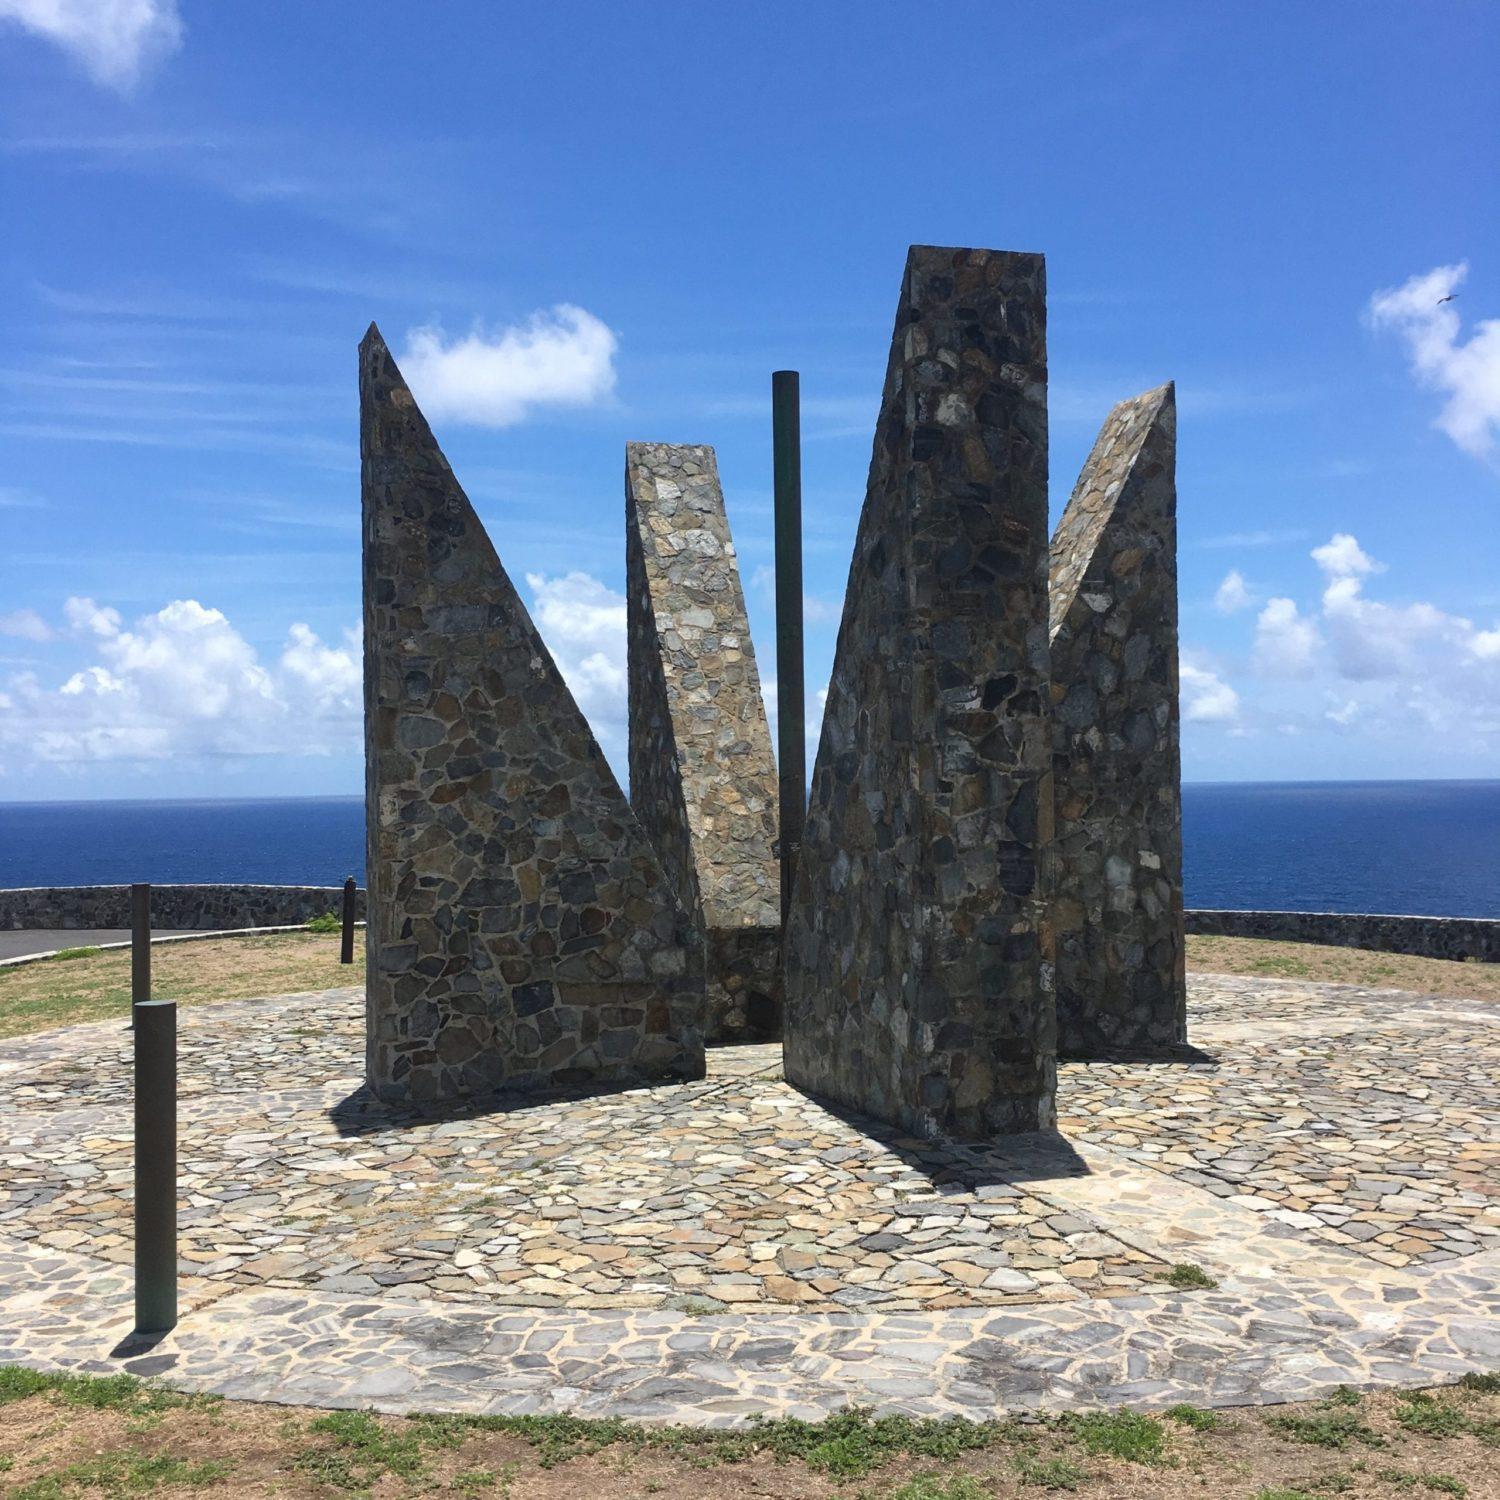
column 522, row 931
column 702, row 776
column 1116, row 860
column 917, row 986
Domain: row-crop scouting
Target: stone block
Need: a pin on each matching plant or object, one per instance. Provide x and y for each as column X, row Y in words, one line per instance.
column 522, row 931
column 1116, row 869
column 702, row 775
column 916, row 965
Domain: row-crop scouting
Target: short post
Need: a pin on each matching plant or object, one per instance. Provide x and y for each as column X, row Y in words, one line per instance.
column 346, row 948
column 155, row 1166
column 791, row 733
column 140, row 944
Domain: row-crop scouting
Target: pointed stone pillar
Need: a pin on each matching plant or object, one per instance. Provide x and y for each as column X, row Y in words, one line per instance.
column 521, row 930
column 702, row 776
column 917, row 982
column 1117, row 854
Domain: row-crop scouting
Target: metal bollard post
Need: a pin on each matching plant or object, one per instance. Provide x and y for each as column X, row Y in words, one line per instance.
column 140, row 944
column 791, row 733
column 346, row 950
column 155, row 1166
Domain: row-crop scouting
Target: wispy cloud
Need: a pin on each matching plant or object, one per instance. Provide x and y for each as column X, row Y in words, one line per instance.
column 116, row 41
column 1252, row 539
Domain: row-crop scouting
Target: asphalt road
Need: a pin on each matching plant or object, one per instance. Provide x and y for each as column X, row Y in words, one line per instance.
column 45, row 939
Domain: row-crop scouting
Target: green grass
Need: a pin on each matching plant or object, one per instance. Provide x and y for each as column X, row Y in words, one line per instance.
column 96, row 1392
column 1278, row 1492
column 1118, row 1434
column 1429, row 1417
column 935, row 1487
column 64, row 954
column 1487, row 1384
column 121, row 1474
column 1335, row 1428
column 328, row 922
column 1048, row 1473
column 1188, row 1278
column 1185, row 1414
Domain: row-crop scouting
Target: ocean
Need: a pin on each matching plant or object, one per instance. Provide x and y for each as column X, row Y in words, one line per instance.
column 1426, row 847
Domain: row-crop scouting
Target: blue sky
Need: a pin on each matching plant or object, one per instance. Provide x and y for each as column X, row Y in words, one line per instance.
column 583, row 224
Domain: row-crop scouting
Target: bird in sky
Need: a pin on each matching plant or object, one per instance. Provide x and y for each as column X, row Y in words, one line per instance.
column 1448, row 298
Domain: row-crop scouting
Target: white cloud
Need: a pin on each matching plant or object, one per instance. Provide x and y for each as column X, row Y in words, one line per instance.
column 564, row 357
column 1343, row 557
column 115, row 40
column 1467, row 373
column 583, row 623
column 1232, row 594
column 1206, row 697
column 183, row 682
column 1286, row 643
column 26, row 625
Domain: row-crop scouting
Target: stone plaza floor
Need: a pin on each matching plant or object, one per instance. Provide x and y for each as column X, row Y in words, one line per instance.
column 1327, row 1155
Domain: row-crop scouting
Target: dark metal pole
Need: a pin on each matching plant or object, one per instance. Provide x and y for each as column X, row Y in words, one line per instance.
column 140, row 944
column 791, row 736
column 346, row 948
column 155, row 1166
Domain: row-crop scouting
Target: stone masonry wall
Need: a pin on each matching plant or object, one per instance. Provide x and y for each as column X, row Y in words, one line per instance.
column 189, row 908
column 702, row 775
column 918, row 987
column 1476, row 938
column 522, row 931
column 1116, row 860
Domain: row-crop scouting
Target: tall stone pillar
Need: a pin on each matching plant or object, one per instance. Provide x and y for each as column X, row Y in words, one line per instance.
column 702, row 776
column 521, row 930
column 917, row 981
column 1117, row 870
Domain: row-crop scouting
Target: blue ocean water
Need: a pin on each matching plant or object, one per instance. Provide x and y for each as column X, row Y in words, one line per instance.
column 1427, row 847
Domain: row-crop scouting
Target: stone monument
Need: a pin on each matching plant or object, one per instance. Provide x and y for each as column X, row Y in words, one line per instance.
column 918, row 983
column 1116, row 869
column 702, row 776
column 522, row 931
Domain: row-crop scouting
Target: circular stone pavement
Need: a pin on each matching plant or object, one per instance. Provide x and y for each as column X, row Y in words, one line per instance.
column 1325, row 1154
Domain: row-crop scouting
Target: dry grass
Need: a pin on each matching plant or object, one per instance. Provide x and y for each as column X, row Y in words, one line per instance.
column 1400, row 971
column 116, row 1437
column 62, row 992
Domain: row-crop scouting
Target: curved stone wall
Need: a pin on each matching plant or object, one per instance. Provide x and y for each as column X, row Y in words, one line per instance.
column 189, row 908
column 1426, row 937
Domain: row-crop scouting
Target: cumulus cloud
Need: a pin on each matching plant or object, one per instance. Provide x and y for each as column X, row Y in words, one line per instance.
column 115, row 40
column 1206, row 697
column 25, row 625
column 1232, row 594
column 583, row 623
column 1467, row 373
column 564, row 357
column 1286, row 642
column 183, row 681
column 1342, row 557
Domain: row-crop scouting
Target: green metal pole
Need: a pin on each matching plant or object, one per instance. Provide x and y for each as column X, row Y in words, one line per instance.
column 791, row 736
column 155, row 1166
column 346, row 947
column 140, row 944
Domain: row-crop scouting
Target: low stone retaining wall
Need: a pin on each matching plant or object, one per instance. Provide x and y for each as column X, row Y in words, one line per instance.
column 1426, row 937
column 203, row 908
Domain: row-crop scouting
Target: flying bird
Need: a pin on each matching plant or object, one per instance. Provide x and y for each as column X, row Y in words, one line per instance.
column 1448, row 298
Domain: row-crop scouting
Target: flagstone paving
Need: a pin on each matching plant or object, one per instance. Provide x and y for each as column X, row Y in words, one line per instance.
column 1327, row 1153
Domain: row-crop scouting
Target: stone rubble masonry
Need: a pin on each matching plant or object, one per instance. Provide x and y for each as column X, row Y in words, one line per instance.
column 918, row 985
column 522, row 931
column 187, row 908
column 702, row 775
column 1473, row 938
column 1115, row 868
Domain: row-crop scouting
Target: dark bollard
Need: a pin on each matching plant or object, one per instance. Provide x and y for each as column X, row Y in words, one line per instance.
column 346, row 950
column 140, row 944
column 791, row 732
column 155, row 1166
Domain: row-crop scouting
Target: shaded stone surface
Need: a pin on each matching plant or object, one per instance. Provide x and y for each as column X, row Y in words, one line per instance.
column 702, row 776
column 521, row 928
column 1116, row 869
column 917, row 986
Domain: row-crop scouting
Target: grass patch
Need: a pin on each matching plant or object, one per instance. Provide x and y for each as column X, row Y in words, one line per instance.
column 1428, row 1417
column 1185, row 1414
column 95, row 985
column 122, row 1473
column 328, row 922
column 64, row 954
column 1048, row 1473
column 123, row 1393
column 1334, row 1428
column 935, row 1487
column 1127, row 1435
column 1188, row 1278
column 1487, row 1384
